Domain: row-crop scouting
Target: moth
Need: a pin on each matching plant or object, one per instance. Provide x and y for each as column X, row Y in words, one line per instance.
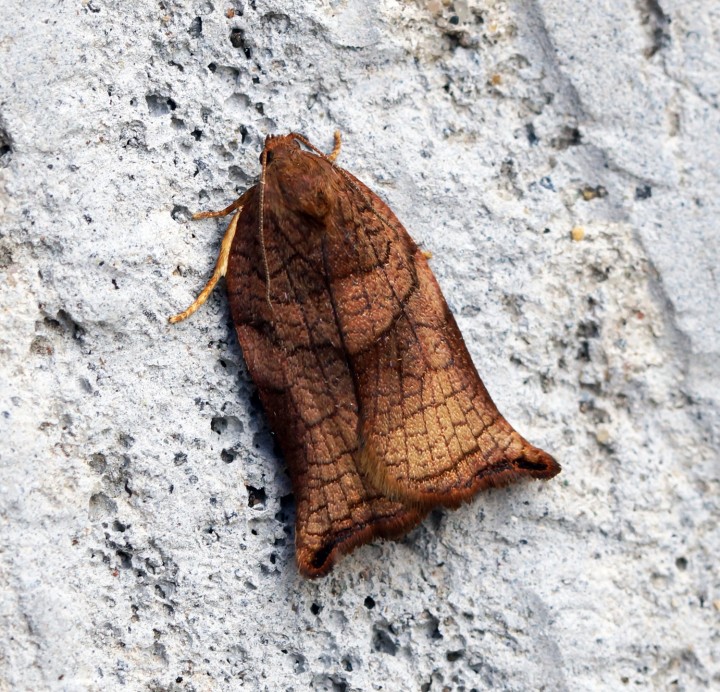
column 360, row 366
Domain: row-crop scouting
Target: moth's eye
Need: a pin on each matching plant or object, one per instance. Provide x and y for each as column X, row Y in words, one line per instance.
column 268, row 156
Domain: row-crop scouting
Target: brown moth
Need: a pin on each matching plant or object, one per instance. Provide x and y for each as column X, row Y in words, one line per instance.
column 359, row 364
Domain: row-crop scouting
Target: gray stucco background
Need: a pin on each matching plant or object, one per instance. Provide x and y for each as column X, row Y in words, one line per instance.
column 145, row 516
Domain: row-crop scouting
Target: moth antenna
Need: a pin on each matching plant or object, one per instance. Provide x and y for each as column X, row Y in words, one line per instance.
column 262, row 227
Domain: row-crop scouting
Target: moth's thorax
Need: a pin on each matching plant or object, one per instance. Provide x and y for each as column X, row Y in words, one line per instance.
column 297, row 180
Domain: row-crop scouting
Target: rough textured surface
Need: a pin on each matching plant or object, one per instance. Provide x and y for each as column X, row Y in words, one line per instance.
column 145, row 523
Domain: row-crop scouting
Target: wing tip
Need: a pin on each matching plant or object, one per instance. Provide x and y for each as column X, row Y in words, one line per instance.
column 536, row 463
column 317, row 563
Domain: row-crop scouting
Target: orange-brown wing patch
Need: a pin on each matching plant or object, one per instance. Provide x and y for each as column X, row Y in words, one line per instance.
column 430, row 432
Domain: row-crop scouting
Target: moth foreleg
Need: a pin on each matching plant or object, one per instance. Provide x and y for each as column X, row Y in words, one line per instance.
column 336, row 148
column 222, row 260
column 223, row 212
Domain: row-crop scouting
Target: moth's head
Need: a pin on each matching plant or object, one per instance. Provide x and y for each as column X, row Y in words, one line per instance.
column 278, row 146
column 298, row 180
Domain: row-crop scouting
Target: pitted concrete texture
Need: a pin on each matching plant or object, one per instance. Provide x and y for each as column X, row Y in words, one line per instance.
column 559, row 160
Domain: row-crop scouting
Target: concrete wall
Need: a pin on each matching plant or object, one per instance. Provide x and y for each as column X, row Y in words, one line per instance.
column 146, row 527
